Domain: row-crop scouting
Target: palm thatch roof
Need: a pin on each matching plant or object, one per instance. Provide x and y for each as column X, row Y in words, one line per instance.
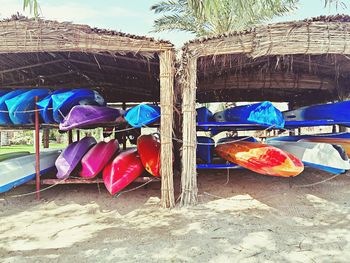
column 44, row 53
column 300, row 61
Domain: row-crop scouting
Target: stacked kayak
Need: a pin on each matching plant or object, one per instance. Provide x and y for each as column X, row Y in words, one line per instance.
column 21, row 108
column 87, row 116
column 19, row 170
column 261, row 158
column 124, row 169
column 142, row 115
column 45, row 106
column 97, row 158
column 322, row 156
column 4, row 115
column 148, row 147
column 63, row 102
column 70, row 158
column 205, row 149
column 7, row 156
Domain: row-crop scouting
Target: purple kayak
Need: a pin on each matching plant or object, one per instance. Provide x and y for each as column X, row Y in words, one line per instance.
column 87, row 116
column 72, row 155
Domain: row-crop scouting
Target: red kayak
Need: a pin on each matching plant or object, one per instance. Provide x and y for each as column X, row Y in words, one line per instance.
column 261, row 158
column 148, row 147
column 97, row 158
column 124, row 169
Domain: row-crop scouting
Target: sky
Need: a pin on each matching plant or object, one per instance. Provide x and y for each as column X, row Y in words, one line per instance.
column 135, row 17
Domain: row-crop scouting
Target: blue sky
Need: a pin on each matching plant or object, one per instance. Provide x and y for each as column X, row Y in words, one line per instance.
column 134, row 16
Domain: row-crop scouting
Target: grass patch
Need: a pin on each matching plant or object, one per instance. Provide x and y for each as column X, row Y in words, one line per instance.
column 27, row 148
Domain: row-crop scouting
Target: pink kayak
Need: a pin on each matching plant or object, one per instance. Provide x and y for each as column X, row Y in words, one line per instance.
column 97, row 158
column 124, row 169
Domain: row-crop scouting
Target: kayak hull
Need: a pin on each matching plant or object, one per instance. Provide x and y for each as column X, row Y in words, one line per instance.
column 148, row 147
column 17, row 171
column 261, row 158
column 205, row 149
column 97, row 158
column 122, row 171
column 88, row 116
column 70, row 158
column 4, row 115
column 142, row 115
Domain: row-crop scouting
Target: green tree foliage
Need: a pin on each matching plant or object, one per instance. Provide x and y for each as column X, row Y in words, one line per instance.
column 33, row 6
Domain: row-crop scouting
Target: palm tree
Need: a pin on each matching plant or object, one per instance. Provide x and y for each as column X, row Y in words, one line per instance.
column 33, row 6
column 208, row 17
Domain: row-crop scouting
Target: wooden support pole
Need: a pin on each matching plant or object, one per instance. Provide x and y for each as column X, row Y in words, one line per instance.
column 78, row 135
column 124, row 132
column 167, row 72
column 46, row 133
column 37, row 151
column 189, row 189
column 70, row 137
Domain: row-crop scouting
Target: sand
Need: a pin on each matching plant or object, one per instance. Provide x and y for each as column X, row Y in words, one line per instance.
column 250, row 218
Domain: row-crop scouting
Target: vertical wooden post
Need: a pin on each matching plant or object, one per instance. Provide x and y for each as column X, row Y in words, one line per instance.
column 46, row 137
column 189, row 189
column 166, row 74
column 70, row 137
column 124, row 133
column 78, row 135
column 37, row 151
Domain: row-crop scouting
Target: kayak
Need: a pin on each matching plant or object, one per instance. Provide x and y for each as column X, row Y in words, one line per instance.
column 24, row 102
column 87, row 116
column 63, row 102
column 17, row 171
column 263, row 113
column 148, row 147
column 322, row 156
column 342, row 139
column 338, row 111
column 45, row 106
column 261, row 158
column 142, row 115
column 122, row 171
column 205, row 149
column 70, row 158
column 204, row 115
column 97, row 158
column 7, row 156
column 4, row 115
column 235, row 139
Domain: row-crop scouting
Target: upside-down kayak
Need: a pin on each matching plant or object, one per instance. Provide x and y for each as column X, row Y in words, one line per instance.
column 4, row 115
column 70, row 158
column 120, row 172
column 148, row 147
column 97, row 158
column 45, row 106
column 7, row 156
column 142, row 115
column 205, row 148
column 87, row 116
column 17, row 171
column 261, row 158
column 322, row 156
column 63, row 102
column 21, row 107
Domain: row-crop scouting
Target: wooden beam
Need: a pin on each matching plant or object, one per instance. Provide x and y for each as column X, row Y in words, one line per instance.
column 167, row 72
column 189, row 190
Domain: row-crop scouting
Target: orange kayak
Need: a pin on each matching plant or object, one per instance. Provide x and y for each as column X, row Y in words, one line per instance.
column 261, row 158
column 148, row 147
column 344, row 142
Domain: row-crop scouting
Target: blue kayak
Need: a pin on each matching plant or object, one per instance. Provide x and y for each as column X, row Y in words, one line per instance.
column 18, row 106
column 142, row 115
column 338, row 112
column 205, row 148
column 63, row 102
column 263, row 113
column 45, row 106
column 204, row 115
column 4, row 115
column 238, row 138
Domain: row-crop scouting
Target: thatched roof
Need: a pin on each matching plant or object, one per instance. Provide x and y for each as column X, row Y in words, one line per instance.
column 44, row 53
column 303, row 61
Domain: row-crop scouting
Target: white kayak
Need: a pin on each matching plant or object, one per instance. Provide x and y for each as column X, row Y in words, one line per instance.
column 17, row 171
column 323, row 156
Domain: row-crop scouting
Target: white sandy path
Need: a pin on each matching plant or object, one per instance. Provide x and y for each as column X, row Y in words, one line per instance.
column 259, row 219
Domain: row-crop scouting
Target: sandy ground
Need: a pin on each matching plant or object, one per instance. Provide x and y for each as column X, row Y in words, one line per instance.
column 250, row 218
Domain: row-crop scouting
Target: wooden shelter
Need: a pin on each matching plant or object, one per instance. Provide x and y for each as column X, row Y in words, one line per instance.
column 300, row 62
column 122, row 67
